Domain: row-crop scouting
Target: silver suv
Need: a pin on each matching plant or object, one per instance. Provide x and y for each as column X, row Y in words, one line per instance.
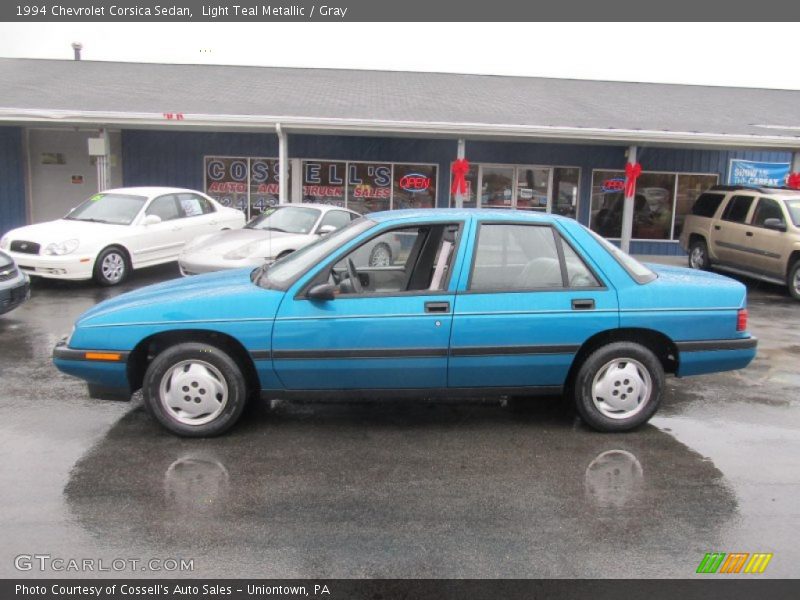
column 750, row 231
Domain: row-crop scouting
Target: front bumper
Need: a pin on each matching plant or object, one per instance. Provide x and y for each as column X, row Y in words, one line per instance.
column 14, row 293
column 197, row 264
column 68, row 266
column 105, row 371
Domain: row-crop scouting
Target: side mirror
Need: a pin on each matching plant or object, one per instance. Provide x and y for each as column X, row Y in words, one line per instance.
column 323, row 291
column 776, row 224
column 326, row 229
column 151, row 220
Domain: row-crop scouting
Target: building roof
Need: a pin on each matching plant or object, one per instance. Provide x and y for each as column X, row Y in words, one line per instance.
column 204, row 96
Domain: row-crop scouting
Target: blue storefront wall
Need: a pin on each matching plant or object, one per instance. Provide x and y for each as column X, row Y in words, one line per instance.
column 12, row 179
column 176, row 158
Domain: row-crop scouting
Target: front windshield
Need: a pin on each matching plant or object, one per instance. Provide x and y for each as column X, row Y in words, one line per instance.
column 288, row 219
column 635, row 269
column 793, row 206
column 285, row 271
column 117, row 209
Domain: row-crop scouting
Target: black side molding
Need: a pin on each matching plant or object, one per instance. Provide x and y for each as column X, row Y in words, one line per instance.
column 705, row 345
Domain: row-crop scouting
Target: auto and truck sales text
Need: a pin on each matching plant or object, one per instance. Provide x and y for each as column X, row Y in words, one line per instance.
column 213, row 11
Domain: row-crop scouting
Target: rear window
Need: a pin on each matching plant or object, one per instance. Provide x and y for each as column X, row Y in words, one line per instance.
column 737, row 209
column 707, row 204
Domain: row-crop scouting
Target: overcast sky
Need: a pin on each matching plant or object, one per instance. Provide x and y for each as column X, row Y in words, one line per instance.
column 751, row 55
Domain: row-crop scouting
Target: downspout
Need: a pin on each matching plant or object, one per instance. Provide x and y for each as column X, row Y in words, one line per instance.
column 283, row 165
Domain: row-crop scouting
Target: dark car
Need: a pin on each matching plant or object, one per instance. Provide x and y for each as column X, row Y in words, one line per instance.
column 15, row 287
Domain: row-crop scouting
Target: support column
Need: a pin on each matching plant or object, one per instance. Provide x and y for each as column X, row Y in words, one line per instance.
column 460, row 153
column 627, row 209
column 283, row 165
column 795, row 161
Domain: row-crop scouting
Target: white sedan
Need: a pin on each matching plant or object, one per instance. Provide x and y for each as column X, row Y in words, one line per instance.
column 116, row 231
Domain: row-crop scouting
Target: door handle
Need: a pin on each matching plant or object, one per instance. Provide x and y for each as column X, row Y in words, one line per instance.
column 717, row 227
column 583, row 304
column 437, row 307
column 749, row 234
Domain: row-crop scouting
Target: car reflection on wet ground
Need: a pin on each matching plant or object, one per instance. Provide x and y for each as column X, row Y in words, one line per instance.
column 400, row 489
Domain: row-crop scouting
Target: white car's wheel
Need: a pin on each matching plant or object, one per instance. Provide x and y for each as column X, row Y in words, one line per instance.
column 111, row 267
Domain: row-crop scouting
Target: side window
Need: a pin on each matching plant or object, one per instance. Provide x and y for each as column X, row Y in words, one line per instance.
column 400, row 260
column 737, row 209
column 578, row 274
column 337, row 218
column 767, row 208
column 165, row 207
column 515, row 257
column 707, row 205
column 193, row 205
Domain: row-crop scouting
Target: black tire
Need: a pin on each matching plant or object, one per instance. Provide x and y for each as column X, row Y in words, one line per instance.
column 598, row 364
column 375, row 254
column 160, row 372
column 103, row 273
column 698, row 255
column 794, row 280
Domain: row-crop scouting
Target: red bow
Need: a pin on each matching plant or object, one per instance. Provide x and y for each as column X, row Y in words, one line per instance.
column 460, row 170
column 793, row 181
column 632, row 172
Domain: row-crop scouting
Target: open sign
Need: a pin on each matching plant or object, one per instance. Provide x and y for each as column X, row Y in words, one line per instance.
column 613, row 185
column 415, row 182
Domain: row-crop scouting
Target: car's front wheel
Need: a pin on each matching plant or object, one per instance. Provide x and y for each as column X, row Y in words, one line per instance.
column 618, row 387
column 195, row 390
column 698, row 255
column 111, row 267
column 794, row 280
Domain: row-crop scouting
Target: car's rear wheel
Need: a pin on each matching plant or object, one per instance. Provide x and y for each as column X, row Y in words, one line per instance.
column 111, row 266
column 195, row 390
column 698, row 255
column 618, row 387
column 381, row 256
column 794, row 280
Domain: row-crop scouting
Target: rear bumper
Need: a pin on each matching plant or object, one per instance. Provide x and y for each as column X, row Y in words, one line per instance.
column 711, row 356
column 105, row 371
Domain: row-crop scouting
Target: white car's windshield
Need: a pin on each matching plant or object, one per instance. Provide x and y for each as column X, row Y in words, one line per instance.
column 117, row 209
column 286, row 270
column 287, row 219
column 793, row 205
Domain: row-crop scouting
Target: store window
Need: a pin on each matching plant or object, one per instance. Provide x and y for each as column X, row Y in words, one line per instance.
column 247, row 183
column 497, row 187
column 324, row 182
column 369, row 187
column 414, row 186
column 565, row 191
column 661, row 201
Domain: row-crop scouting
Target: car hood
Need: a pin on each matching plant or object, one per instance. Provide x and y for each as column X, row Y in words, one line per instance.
column 680, row 287
column 63, row 229
column 272, row 242
column 223, row 296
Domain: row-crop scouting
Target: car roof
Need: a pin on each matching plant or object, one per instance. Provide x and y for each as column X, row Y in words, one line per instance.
column 149, row 191
column 444, row 214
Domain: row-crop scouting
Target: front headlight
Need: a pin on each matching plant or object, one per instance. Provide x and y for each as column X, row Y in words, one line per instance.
column 245, row 251
column 61, row 248
column 4, row 242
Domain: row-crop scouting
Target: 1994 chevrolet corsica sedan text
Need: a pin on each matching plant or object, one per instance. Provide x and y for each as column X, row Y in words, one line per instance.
column 474, row 303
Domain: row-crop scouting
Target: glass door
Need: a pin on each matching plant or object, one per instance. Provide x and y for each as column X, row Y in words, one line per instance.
column 533, row 188
column 497, row 187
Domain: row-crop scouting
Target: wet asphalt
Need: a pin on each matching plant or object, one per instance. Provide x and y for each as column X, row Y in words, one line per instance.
column 399, row 489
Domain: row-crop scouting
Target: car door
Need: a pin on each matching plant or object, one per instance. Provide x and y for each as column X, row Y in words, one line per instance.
column 731, row 245
column 524, row 305
column 768, row 246
column 199, row 216
column 162, row 241
column 390, row 330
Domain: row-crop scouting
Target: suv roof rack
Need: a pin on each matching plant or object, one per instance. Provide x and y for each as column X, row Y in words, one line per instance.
column 764, row 189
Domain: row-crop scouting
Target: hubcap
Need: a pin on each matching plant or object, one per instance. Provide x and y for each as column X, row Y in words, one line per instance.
column 796, row 281
column 113, row 267
column 621, row 388
column 193, row 392
column 380, row 257
column 698, row 258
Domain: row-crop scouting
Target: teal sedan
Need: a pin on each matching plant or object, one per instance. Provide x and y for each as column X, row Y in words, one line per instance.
column 473, row 303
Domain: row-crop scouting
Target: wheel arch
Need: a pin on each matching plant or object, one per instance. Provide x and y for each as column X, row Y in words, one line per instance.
column 148, row 348
column 659, row 344
column 121, row 246
column 793, row 257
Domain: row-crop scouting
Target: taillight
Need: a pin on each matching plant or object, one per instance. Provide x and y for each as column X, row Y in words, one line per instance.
column 741, row 320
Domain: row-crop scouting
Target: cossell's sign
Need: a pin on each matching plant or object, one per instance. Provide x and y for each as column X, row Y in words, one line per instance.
column 749, row 172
